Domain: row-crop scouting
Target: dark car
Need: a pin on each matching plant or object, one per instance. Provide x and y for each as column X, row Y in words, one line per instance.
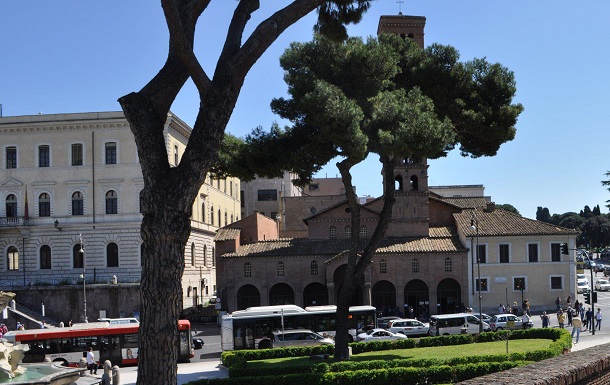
column 197, row 343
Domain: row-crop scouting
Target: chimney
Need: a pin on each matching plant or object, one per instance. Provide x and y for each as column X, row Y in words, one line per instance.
column 491, row 207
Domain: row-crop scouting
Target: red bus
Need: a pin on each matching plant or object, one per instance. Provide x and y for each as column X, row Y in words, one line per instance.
column 115, row 342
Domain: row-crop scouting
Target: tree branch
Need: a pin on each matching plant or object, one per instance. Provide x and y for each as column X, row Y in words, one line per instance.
column 236, row 29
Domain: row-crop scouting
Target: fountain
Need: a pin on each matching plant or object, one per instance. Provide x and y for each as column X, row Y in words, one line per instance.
column 13, row 372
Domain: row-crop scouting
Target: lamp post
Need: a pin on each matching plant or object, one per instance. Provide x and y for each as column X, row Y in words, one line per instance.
column 474, row 224
column 82, row 252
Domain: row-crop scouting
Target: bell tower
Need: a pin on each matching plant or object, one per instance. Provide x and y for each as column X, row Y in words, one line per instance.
column 406, row 26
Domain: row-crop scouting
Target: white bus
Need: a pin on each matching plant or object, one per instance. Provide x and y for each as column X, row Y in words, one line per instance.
column 253, row 328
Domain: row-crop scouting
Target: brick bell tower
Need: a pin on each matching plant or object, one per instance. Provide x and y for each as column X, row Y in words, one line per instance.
column 410, row 215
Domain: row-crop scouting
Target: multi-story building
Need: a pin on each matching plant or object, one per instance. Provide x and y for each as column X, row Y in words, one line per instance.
column 70, row 186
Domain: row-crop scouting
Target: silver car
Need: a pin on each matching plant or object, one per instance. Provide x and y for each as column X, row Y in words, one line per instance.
column 299, row 337
column 408, row 327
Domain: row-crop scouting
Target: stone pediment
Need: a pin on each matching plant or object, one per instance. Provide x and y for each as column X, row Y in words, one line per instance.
column 11, row 183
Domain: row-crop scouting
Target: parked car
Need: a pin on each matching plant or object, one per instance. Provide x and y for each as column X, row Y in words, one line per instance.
column 602, row 285
column 599, row 267
column 500, row 322
column 297, row 337
column 379, row 335
column 382, row 322
column 582, row 287
column 408, row 327
column 581, row 277
column 197, row 343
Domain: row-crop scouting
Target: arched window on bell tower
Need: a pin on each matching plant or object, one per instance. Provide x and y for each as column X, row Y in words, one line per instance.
column 414, row 183
column 398, row 183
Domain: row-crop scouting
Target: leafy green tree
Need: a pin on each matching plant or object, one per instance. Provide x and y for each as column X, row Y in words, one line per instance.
column 169, row 192
column 573, row 221
column 587, row 213
column 543, row 214
column 509, row 208
column 385, row 96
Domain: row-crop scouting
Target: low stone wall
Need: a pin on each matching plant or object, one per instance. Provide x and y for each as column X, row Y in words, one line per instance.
column 587, row 366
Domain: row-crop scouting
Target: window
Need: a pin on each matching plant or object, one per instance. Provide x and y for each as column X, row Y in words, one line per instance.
column 44, row 156
column 226, row 219
column 112, row 202
column 45, row 257
column 483, row 283
column 348, row 232
column 314, row 267
column 205, row 255
column 242, row 200
column 383, row 266
column 280, row 269
column 267, row 195
column 532, row 252
column 110, row 148
column 415, row 265
column 192, row 254
column 247, row 269
column 231, row 188
column 363, row 232
column 12, row 258
column 11, row 157
column 219, row 219
column 224, row 181
column 77, row 154
column 519, row 284
column 504, row 253
column 213, row 258
column 203, row 212
column 112, row 255
column 557, row 283
column 212, row 216
column 77, row 257
column 448, row 265
column 11, row 206
column 175, row 155
column 333, row 232
column 482, row 253
column 555, row 252
column 78, row 204
column 44, row 205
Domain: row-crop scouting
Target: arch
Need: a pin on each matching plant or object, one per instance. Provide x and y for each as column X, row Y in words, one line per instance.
column 12, row 258
column 112, row 255
column 248, row 296
column 333, row 232
column 78, row 258
column 417, row 296
column 45, row 257
column 315, row 294
column 398, row 185
column 414, row 182
column 11, row 206
column 281, row 294
column 78, row 206
column 44, row 205
column 448, row 296
column 192, row 253
column 339, row 277
column 384, row 297
column 112, row 202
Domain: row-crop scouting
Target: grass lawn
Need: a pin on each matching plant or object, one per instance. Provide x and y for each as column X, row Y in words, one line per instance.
column 441, row 352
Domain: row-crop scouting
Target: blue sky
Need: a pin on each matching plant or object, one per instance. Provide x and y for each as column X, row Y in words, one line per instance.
column 79, row 56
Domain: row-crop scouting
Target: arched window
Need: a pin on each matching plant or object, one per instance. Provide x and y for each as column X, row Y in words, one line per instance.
column 348, row 232
column 231, row 218
column 415, row 265
column 212, row 216
column 219, row 218
column 11, row 206
column 193, row 254
column 205, row 255
column 78, row 206
column 448, row 265
column 78, row 258
column 280, row 268
column 226, row 219
column 333, row 232
column 398, row 183
column 314, row 267
column 363, row 232
column 12, row 258
column 414, row 183
column 45, row 257
column 383, row 266
column 44, row 205
column 112, row 255
column 112, row 202
column 247, row 269
column 203, row 212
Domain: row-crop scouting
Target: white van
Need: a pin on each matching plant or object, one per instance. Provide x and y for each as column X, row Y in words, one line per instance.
column 445, row 324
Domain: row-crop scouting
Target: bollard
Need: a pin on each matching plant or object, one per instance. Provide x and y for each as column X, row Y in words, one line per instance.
column 106, row 375
column 83, row 365
column 116, row 375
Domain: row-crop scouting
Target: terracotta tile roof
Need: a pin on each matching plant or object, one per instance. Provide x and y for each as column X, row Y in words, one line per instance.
column 441, row 240
column 502, row 222
column 461, row 202
column 227, row 234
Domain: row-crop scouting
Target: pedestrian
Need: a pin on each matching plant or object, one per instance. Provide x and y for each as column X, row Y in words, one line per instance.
column 589, row 316
column 546, row 320
column 576, row 325
column 501, row 309
column 569, row 300
column 561, row 318
column 558, row 303
column 598, row 319
column 569, row 311
column 20, row 326
column 91, row 363
column 525, row 320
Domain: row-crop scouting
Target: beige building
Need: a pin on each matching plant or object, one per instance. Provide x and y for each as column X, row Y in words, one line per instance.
column 71, row 177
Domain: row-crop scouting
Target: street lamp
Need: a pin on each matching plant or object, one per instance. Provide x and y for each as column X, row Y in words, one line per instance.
column 474, row 224
column 82, row 252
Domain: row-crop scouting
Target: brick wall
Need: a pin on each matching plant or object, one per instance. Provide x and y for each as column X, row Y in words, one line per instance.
column 587, row 366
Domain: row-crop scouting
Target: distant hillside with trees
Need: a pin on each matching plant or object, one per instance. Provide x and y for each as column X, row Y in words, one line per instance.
column 594, row 226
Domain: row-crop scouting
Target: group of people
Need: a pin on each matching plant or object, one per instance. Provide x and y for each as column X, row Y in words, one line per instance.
column 577, row 317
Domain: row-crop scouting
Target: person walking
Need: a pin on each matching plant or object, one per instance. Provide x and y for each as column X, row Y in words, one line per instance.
column 569, row 311
column 589, row 316
column 525, row 320
column 576, row 325
column 598, row 319
column 558, row 303
column 561, row 318
column 546, row 320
